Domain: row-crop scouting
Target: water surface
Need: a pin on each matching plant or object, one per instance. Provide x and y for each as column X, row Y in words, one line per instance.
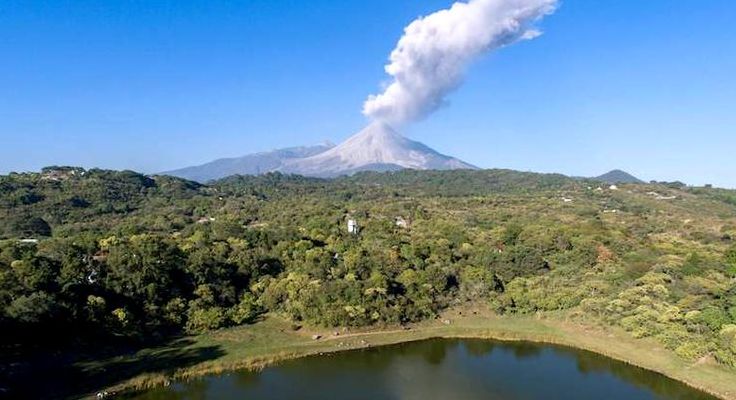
column 440, row 369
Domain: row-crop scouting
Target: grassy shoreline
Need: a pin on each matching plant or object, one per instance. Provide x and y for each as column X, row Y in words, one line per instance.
column 273, row 340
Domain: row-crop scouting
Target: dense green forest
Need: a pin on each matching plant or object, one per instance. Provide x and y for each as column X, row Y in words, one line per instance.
column 94, row 256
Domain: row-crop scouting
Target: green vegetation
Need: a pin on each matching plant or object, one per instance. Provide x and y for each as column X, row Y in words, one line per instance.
column 130, row 260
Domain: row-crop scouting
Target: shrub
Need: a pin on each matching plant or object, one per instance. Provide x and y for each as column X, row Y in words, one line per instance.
column 731, row 256
column 726, row 352
column 205, row 319
column 691, row 350
column 673, row 336
column 731, row 261
column 174, row 311
column 714, row 318
column 246, row 310
column 728, row 336
column 511, row 234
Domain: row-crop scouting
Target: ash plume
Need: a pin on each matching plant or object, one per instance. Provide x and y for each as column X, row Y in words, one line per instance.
column 430, row 59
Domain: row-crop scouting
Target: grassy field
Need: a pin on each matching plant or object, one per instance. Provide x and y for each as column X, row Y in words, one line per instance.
column 274, row 339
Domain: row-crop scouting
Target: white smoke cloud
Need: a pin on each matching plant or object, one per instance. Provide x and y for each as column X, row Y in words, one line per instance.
column 430, row 59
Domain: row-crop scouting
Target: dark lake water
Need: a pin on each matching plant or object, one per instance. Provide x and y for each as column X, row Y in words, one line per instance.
column 440, row 369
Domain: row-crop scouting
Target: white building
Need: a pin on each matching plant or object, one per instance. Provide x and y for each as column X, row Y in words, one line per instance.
column 352, row 227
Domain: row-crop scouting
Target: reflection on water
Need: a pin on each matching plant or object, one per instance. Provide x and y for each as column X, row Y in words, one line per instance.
column 440, row 369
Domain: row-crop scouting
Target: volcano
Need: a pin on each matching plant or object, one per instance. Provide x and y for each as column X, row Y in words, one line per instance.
column 378, row 147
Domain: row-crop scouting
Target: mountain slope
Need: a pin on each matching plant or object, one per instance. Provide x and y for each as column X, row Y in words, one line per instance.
column 252, row 164
column 618, row 176
column 376, row 148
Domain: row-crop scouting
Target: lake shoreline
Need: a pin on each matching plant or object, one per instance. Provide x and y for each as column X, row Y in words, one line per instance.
column 274, row 340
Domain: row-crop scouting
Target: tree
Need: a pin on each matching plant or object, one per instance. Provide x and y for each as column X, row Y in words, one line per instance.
column 146, row 270
column 205, row 319
column 35, row 307
column 246, row 310
column 35, row 273
column 209, row 265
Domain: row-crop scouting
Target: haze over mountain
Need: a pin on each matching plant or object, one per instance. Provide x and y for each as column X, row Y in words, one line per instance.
column 378, row 147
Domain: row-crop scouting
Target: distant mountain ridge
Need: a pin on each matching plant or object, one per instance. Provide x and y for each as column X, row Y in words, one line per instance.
column 617, row 176
column 378, row 147
column 252, row 164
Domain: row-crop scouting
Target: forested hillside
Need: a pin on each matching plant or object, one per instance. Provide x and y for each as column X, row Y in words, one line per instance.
column 102, row 255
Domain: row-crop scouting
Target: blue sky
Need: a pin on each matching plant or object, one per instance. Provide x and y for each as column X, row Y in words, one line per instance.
column 646, row 86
